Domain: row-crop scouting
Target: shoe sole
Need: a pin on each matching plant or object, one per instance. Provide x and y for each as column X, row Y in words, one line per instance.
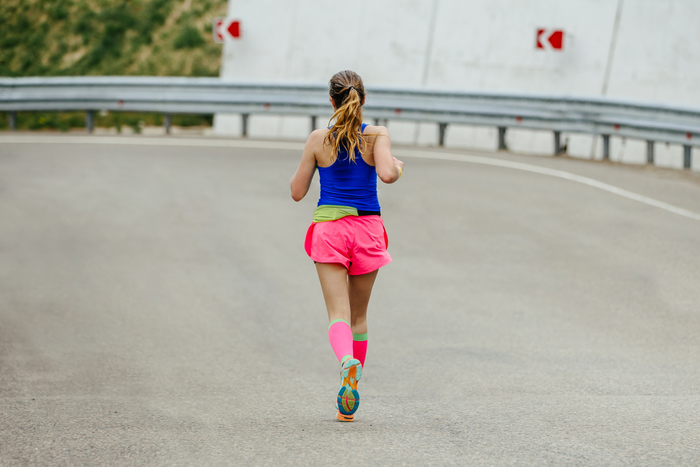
column 348, row 398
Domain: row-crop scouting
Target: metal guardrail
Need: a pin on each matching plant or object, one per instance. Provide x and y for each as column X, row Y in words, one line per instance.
column 179, row 95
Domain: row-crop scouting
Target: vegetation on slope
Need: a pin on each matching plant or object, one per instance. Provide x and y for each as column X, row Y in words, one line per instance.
column 106, row 37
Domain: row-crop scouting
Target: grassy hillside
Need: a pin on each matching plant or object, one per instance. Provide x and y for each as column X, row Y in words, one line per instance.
column 106, row 37
column 109, row 37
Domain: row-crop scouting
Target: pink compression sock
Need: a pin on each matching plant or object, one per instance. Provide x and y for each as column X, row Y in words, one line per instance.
column 359, row 347
column 340, row 335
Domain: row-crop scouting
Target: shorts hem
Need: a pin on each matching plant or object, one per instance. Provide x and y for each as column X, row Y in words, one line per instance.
column 374, row 268
column 345, row 264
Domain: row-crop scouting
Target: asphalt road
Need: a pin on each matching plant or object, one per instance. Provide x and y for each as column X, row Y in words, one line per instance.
column 157, row 308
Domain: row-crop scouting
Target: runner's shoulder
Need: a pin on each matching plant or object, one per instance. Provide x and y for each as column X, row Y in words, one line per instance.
column 317, row 136
column 376, row 130
column 319, row 133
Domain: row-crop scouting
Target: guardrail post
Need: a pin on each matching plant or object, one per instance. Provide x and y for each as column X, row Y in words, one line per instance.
column 441, row 138
column 168, row 123
column 650, row 152
column 606, row 147
column 244, row 125
column 90, row 120
column 502, row 138
column 557, row 143
column 313, row 122
column 686, row 156
column 13, row 120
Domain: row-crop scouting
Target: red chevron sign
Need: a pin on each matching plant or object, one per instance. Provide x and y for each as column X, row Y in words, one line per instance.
column 234, row 29
column 225, row 27
column 550, row 39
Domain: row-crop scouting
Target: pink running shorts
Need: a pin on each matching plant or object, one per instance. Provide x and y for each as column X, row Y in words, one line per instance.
column 357, row 242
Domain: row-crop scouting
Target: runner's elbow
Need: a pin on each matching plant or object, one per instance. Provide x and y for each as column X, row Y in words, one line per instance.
column 297, row 194
column 386, row 176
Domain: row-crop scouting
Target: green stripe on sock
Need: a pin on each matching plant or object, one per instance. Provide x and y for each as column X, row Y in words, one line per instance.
column 337, row 321
column 345, row 359
column 359, row 337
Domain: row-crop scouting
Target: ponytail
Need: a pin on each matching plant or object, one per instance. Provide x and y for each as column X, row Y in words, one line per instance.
column 347, row 93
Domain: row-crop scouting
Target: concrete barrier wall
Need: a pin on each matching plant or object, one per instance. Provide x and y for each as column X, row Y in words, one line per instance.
column 644, row 50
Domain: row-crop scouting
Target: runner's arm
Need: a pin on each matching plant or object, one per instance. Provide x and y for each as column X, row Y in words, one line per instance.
column 305, row 172
column 389, row 168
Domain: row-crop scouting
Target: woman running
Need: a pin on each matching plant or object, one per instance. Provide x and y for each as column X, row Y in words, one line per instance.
column 347, row 240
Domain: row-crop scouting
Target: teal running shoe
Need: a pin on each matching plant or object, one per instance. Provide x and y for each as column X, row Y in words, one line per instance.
column 348, row 400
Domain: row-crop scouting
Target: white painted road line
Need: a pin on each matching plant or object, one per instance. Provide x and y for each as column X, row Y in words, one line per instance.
column 292, row 146
column 552, row 173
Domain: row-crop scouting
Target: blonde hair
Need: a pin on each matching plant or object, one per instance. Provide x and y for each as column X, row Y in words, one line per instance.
column 347, row 92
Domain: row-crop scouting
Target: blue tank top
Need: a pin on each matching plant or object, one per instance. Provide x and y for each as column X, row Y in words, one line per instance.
column 347, row 183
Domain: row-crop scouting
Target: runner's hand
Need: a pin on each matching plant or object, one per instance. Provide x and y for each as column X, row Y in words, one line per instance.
column 398, row 164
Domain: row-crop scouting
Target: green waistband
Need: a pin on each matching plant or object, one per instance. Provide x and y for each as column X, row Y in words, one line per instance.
column 328, row 212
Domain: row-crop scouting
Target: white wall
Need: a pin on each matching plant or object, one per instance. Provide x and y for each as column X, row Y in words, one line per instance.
column 471, row 44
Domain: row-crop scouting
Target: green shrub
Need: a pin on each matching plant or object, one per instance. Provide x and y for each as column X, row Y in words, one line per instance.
column 155, row 15
column 85, row 24
column 48, row 120
column 134, row 122
column 188, row 38
column 58, row 11
column 76, row 121
column 10, row 41
column 117, row 119
column 192, row 120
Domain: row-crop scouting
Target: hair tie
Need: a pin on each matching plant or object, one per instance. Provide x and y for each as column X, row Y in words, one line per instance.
column 351, row 87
